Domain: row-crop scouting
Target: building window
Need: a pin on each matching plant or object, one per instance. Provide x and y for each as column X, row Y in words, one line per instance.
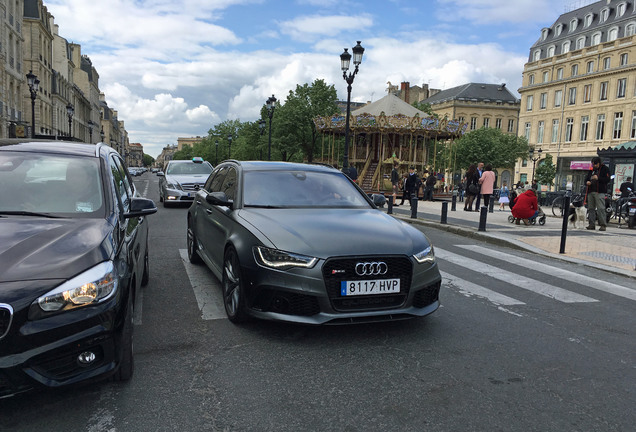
column 560, row 73
column 603, row 93
column 600, row 126
column 620, row 10
column 607, row 63
column 486, row 122
column 587, row 93
column 604, row 14
column 551, row 50
column 498, row 123
column 569, row 125
column 612, row 35
column 618, row 125
column 624, row 59
column 543, row 101
column 540, row 132
column 544, row 34
column 588, row 20
column 620, row 90
column 546, row 76
column 461, row 119
column 527, row 131
column 558, row 30
column 511, row 125
column 555, row 130
column 473, row 123
column 565, row 48
column 632, row 133
column 596, row 38
column 572, row 96
column 580, row 43
column 590, row 66
column 585, row 120
column 573, row 24
column 529, row 102
column 530, row 79
column 575, row 70
column 558, row 97
column 630, row 29
column 537, row 55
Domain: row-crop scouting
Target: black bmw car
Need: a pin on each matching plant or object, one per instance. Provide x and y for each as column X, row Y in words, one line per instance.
column 302, row 243
column 73, row 254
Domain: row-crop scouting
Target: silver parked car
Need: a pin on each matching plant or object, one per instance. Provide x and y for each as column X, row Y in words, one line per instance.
column 181, row 180
column 303, row 243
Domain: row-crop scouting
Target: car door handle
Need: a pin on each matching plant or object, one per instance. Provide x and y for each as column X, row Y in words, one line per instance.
column 208, row 211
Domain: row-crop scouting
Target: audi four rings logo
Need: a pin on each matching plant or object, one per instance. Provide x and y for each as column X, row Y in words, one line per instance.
column 371, row 268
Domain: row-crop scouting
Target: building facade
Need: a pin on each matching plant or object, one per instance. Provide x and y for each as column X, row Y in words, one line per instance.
column 578, row 91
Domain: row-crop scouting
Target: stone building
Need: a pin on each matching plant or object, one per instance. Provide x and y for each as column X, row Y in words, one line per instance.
column 13, row 120
column 188, row 141
column 579, row 87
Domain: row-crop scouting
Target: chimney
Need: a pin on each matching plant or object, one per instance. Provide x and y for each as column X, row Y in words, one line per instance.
column 405, row 87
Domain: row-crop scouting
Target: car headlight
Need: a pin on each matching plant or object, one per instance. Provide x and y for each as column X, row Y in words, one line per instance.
column 281, row 260
column 427, row 255
column 92, row 286
column 173, row 185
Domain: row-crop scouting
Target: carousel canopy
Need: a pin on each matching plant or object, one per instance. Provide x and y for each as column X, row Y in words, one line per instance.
column 390, row 105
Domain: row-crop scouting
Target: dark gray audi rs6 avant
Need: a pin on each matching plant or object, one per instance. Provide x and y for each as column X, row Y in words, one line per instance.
column 303, row 243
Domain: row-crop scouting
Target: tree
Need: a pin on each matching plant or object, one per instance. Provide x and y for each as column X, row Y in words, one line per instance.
column 490, row 145
column 546, row 171
column 148, row 160
column 426, row 107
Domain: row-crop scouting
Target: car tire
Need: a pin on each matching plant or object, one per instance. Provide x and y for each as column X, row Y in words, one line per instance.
column 145, row 276
column 232, row 285
column 192, row 243
column 127, row 364
column 632, row 221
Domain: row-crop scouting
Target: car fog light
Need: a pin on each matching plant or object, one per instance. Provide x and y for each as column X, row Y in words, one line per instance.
column 87, row 357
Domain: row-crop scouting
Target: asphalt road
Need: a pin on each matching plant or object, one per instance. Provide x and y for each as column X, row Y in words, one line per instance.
column 520, row 344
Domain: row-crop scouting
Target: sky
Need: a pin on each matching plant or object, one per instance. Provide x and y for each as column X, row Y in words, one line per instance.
column 177, row 68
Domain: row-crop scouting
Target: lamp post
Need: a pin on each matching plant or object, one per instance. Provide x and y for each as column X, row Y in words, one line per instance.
column 217, row 152
column 271, row 105
column 345, row 60
column 534, row 160
column 261, row 127
column 102, row 134
column 34, row 85
column 90, row 130
column 229, row 140
column 70, row 111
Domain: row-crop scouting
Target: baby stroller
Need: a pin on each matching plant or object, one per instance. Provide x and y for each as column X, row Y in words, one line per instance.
column 540, row 216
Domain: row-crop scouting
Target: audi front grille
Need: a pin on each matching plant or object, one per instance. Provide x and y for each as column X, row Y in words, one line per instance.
column 337, row 270
column 6, row 316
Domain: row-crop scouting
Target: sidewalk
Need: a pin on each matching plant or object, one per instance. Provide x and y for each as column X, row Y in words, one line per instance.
column 613, row 250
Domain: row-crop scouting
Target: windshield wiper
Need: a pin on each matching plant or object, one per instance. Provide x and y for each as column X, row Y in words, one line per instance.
column 28, row 213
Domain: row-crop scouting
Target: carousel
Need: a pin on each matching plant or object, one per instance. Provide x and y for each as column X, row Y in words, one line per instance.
column 383, row 132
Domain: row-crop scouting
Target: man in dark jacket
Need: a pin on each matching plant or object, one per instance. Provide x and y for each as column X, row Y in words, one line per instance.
column 596, row 181
column 412, row 185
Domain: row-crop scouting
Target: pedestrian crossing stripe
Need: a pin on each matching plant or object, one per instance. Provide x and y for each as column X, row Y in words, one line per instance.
column 467, row 287
column 519, row 281
column 568, row 275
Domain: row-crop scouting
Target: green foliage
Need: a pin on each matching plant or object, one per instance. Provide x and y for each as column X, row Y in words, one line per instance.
column 546, row 171
column 426, row 107
column 148, row 160
column 490, row 145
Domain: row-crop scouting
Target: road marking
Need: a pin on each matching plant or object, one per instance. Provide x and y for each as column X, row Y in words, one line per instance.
column 590, row 282
column 519, row 281
column 467, row 287
column 206, row 289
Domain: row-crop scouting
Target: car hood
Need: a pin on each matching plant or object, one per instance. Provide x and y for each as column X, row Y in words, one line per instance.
column 189, row 178
column 40, row 248
column 325, row 233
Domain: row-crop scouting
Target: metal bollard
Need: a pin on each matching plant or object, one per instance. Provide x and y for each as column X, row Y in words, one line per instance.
column 444, row 213
column 389, row 204
column 483, row 213
column 564, row 226
column 491, row 205
column 454, row 202
column 414, row 207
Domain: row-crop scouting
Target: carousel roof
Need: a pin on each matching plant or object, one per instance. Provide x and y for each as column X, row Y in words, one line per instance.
column 390, row 105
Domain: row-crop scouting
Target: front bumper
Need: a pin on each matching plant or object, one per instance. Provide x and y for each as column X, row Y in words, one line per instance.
column 175, row 195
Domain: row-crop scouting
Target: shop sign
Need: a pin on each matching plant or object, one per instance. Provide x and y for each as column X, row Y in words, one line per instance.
column 581, row 165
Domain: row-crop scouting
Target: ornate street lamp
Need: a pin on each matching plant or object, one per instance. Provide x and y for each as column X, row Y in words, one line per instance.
column 345, row 60
column 34, row 85
column 90, row 130
column 70, row 111
column 229, row 140
column 102, row 134
column 534, row 160
column 271, row 105
column 217, row 152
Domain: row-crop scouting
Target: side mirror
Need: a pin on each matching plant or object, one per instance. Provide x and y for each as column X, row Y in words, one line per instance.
column 160, row 173
column 141, row 207
column 220, row 199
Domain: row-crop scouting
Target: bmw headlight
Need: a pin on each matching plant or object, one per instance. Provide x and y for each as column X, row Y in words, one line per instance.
column 427, row 255
column 281, row 260
column 92, row 286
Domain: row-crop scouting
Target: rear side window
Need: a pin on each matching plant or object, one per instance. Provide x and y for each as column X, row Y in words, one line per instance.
column 229, row 184
column 122, row 185
column 215, row 181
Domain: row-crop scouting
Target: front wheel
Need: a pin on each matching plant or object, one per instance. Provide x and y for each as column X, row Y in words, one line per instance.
column 632, row 221
column 192, row 243
column 557, row 207
column 511, row 219
column 127, row 364
column 233, row 291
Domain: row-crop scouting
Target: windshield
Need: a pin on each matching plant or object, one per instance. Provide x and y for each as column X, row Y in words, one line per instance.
column 42, row 184
column 300, row 189
column 188, row 168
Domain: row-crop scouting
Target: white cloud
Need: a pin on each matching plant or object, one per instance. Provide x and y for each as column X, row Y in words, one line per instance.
column 501, row 11
column 308, row 27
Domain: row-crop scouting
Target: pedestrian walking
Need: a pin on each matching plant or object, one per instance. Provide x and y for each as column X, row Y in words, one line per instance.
column 487, row 182
column 480, row 171
column 429, row 185
column 596, row 181
column 504, row 196
column 412, row 185
column 472, row 186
